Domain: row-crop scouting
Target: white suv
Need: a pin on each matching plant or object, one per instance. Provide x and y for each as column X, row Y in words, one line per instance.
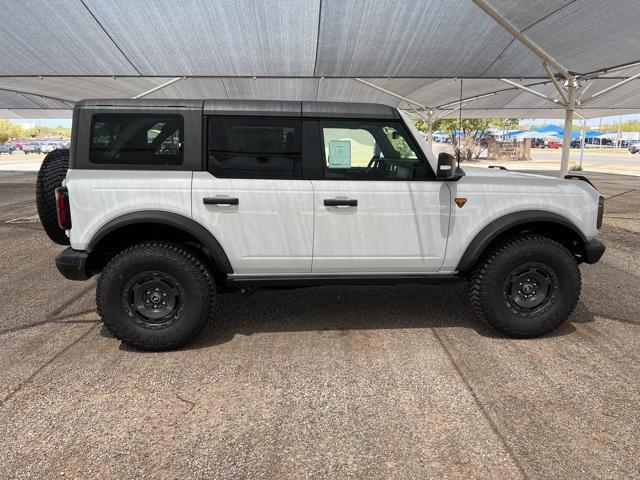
column 175, row 202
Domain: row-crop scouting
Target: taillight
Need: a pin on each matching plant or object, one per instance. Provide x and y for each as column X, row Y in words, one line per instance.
column 62, row 207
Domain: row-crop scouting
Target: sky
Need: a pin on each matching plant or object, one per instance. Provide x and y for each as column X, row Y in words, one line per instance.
column 45, row 122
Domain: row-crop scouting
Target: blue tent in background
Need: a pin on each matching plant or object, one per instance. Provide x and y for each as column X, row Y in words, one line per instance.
column 559, row 131
column 551, row 129
column 512, row 133
column 591, row 134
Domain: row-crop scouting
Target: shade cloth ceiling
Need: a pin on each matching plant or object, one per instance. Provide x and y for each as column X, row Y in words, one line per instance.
column 312, row 50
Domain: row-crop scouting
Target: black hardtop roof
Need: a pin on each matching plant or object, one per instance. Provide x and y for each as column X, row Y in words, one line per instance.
column 253, row 107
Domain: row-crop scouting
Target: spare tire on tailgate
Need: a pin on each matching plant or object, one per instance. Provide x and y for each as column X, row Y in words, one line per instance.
column 52, row 172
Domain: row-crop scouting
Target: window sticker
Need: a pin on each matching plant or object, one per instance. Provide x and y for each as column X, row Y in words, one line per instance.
column 339, row 154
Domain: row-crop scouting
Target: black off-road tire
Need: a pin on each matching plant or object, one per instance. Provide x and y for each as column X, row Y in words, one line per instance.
column 492, row 286
column 52, row 171
column 174, row 264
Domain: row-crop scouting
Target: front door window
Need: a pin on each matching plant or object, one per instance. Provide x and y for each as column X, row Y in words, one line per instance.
column 361, row 150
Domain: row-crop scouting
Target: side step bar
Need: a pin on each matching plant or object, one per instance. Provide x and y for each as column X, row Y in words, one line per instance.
column 311, row 280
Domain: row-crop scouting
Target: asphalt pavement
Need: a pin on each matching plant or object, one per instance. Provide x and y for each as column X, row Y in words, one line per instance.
column 336, row 382
column 594, row 159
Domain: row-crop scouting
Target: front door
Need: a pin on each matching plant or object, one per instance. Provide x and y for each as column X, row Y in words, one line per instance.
column 253, row 198
column 378, row 208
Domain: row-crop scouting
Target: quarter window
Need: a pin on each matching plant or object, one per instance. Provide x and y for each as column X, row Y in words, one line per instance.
column 136, row 139
column 255, row 147
column 361, row 150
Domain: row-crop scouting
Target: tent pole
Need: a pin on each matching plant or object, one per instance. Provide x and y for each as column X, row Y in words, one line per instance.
column 608, row 89
column 529, row 90
column 619, row 135
column 526, row 41
column 22, row 92
column 568, row 125
column 430, row 130
column 429, row 121
column 158, row 87
column 555, row 82
column 584, row 127
column 393, row 94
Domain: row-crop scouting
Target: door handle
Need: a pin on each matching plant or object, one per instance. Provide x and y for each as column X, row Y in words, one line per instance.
column 340, row 202
column 220, row 201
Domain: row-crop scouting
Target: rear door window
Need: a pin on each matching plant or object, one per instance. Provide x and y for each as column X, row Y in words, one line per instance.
column 136, row 139
column 249, row 147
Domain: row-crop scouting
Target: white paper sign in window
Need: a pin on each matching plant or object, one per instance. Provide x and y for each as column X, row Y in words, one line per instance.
column 339, row 154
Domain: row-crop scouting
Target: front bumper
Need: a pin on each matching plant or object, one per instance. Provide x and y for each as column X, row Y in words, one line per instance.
column 593, row 251
column 72, row 264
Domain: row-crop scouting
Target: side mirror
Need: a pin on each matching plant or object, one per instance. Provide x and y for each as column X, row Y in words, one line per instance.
column 446, row 166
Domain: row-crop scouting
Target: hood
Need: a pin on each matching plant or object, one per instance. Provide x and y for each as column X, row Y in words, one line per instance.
column 497, row 172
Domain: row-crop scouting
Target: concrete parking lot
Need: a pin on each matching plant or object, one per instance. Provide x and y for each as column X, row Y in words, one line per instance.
column 367, row 382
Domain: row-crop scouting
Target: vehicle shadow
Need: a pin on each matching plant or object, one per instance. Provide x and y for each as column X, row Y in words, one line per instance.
column 351, row 308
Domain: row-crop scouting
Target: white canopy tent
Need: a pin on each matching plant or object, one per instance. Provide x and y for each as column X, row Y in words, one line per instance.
column 535, row 134
column 514, row 58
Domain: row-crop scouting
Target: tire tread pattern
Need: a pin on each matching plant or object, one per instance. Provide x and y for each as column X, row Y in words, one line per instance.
column 478, row 293
column 198, row 267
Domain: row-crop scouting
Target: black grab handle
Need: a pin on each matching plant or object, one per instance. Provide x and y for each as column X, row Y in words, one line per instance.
column 336, row 202
column 220, row 201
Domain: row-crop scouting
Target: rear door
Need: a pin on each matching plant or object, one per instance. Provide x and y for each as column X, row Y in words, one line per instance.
column 253, row 198
column 378, row 208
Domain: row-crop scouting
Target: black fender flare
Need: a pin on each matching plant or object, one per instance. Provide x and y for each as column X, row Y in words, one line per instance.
column 175, row 220
column 500, row 225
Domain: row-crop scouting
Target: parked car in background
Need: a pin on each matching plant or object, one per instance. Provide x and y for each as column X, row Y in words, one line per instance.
column 553, row 144
column 6, row 148
column 30, row 147
column 634, row 147
column 48, row 147
column 18, row 144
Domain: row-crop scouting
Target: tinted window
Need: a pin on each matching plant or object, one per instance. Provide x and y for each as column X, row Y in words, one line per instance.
column 135, row 139
column 361, row 150
column 255, row 147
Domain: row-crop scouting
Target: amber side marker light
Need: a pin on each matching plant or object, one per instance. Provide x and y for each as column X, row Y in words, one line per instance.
column 460, row 201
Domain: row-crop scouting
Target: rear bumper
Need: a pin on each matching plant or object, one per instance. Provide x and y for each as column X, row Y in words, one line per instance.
column 72, row 264
column 593, row 251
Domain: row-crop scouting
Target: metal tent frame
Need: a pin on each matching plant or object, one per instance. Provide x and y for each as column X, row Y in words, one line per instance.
column 521, row 60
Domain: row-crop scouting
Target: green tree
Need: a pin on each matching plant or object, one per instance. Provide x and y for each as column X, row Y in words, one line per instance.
column 9, row 130
column 42, row 131
column 471, row 132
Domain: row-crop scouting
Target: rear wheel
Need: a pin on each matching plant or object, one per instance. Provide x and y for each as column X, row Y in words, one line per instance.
column 52, row 171
column 155, row 295
column 526, row 286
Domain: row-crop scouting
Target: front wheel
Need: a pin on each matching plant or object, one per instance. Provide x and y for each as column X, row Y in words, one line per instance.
column 526, row 286
column 155, row 295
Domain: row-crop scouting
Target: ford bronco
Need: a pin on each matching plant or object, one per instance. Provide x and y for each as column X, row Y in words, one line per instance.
column 174, row 202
